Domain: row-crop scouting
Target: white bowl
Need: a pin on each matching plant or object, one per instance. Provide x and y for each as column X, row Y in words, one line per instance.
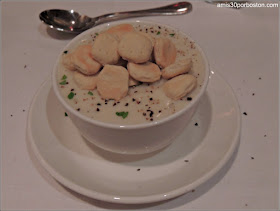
column 131, row 139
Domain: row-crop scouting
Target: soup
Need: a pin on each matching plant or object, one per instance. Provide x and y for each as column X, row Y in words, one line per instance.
column 144, row 102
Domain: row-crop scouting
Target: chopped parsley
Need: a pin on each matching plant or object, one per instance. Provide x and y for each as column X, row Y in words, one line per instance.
column 123, row 114
column 158, row 32
column 90, row 93
column 171, row 35
column 64, row 82
column 96, row 34
column 71, row 95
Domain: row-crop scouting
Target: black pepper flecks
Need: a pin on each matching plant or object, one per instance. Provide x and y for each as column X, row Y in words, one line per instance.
column 186, row 161
column 260, row 78
column 151, row 98
column 78, row 109
column 126, row 104
column 196, row 124
column 252, row 158
column 144, row 114
column 264, row 136
column 245, row 113
column 25, row 66
column 97, row 109
column 98, row 104
column 65, row 52
column 193, row 190
column 133, row 99
column 189, row 98
column 114, row 104
column 11, row 114
column 138, row 169
column 253, row 94
column 151, row 113
column 72, row 90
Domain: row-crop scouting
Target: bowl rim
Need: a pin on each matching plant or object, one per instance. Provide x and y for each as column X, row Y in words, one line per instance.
column 132, row 126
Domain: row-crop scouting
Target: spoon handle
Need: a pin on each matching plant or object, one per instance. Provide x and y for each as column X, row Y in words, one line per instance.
column 172, row 9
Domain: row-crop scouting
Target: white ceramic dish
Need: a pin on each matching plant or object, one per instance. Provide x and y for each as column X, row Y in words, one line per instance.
column 131, row 139
column 158, row 176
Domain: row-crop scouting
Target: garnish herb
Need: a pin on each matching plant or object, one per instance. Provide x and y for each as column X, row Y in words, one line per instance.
column 158, row 32
column 63, row 82
column 172, row 35
column 96, row 34
column 123, row 114
column 71, row 95
column 90, row 93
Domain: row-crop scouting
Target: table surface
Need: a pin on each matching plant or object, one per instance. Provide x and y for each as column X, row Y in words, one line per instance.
column 242, row 45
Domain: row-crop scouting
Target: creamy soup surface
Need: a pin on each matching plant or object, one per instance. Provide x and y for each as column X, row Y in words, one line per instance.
column 145, row 102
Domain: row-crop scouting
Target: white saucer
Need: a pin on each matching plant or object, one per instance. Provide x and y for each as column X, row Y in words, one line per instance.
column 194, row 157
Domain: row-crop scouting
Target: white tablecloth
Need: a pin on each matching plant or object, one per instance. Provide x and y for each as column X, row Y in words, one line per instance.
column 242, row 45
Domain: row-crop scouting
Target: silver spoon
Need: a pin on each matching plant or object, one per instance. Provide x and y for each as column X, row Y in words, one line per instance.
column 72, row 22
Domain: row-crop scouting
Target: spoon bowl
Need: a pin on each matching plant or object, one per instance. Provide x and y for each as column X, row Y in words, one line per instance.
column 65, row 20
column 70, row 21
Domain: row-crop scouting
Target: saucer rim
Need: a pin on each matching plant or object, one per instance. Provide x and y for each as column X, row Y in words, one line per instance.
column 134, row 199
